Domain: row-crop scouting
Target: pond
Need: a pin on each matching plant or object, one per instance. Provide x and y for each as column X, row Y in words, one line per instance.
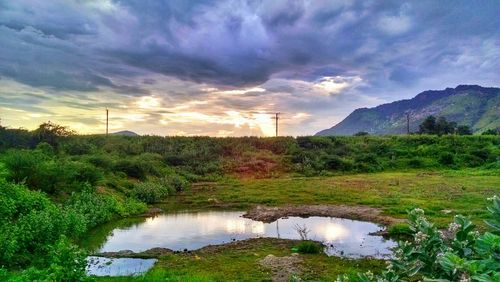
column 194, row 230
column 99, row 266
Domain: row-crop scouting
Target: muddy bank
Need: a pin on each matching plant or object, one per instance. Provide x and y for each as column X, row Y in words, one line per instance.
column 364, row 213
column 151, row 253
column 242, row 245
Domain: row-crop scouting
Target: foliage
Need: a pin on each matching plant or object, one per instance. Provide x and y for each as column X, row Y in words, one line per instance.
column 151, row 192
column 441, row 126
column 51, row 133
column 361, row 133
column 458, row 253
column 30, row 223
column 309, row 247
column 33, row 230
column 41, row 170
column 205, row 158
column 491, row 132
column 464, row 130
column 64, row 262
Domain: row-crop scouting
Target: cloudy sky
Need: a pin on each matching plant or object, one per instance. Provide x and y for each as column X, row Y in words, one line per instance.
column 220, row 67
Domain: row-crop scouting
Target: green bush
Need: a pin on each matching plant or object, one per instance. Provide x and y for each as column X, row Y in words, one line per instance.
column 151, row 192
column 77, row 146
column 174, row 182
column 22, row 164
column 101, row 161
column 63, row 262
column 399, row 229
column 131, row 168
column 446, row 158
column 30, row 223
column 337, row 163
column 309, row 247
column 457, row 254
column 41, row 171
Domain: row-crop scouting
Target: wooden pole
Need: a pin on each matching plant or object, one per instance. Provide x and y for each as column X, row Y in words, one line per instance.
column 277, row 123
column 408, row 123
column 107, row 121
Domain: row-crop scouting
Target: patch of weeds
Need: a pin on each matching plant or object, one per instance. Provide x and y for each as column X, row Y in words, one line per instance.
column 309, row 247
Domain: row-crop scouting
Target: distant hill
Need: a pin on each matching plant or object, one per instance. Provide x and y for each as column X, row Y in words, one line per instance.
column 472, row 105
column 125, row 133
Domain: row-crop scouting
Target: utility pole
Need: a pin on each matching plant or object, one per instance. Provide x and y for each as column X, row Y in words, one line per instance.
column 407, row 123
column 277, row 118
column 107, row 121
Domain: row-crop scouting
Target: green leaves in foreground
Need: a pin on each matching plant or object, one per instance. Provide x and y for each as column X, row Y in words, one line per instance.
column 456, row 254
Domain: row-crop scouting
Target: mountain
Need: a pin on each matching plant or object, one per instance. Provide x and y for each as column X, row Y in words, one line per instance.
column 472, row 105
column 125, row 133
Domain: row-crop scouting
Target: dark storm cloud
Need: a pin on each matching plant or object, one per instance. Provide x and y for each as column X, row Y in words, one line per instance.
column 134, row 48
column 68, row 45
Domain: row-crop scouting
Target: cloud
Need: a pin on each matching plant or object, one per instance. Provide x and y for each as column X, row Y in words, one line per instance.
column 396, row 24
column 144, row 59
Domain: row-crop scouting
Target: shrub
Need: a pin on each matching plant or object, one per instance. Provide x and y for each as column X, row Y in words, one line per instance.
column 399, row 229
column 77, row 147
column 456, row 254
column 151, row 192
column 101, row 161
column 131, row 168
column 30, row 222
column 175, row 182
column 22, row 163
column 64, row 262
column 367, row 163
column 446, row 158
column 95, row 208
column 309, row 247
column 337, row 163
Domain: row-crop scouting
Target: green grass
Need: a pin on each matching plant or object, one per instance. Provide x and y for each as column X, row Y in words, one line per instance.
column 440, row 194
column 240, row 262
column 394, row 192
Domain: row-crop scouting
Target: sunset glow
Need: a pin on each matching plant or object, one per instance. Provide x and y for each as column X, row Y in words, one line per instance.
column 223, row 68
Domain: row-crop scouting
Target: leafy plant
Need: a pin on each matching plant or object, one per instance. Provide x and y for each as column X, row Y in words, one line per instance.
column 151, row 192
column 457, row 254
column 309, row 247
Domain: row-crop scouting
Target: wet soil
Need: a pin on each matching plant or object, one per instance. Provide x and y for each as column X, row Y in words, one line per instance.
column 270, row 214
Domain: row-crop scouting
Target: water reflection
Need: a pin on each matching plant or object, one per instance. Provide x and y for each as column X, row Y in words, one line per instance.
column 191, row 231
column 99, row 266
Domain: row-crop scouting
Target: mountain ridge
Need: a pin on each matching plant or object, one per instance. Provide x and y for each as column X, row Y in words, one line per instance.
column 471, row 105
column 125, row 133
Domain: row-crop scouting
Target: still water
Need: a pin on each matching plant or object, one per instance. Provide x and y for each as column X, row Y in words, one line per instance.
column 194, row 230
column 99, row 266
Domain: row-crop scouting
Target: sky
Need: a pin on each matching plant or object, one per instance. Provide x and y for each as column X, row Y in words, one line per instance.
column 221, row 68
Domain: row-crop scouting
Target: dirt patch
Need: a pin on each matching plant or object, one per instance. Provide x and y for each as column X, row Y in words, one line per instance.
column 270, row 214
column 282, row 268
column 245, row 245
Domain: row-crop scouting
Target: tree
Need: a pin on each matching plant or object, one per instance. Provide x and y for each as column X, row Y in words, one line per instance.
column 362, row 133
column 441, row 126
column 491, row 132
column 50, row 132
column 464, row 130
column 428, row 126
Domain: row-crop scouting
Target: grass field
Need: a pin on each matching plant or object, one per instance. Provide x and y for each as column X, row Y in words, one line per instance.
column 90, row 185
column 239, row 262
column 441, row 194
